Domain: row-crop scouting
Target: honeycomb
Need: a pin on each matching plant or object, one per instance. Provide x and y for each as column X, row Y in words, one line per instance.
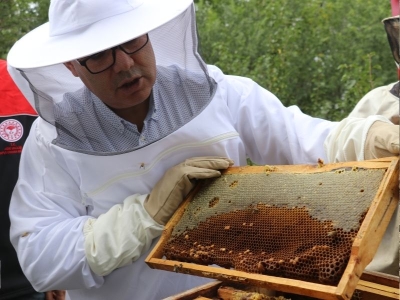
column 292, row 225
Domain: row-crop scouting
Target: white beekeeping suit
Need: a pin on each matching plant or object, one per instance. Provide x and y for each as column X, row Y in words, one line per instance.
column 382, row 101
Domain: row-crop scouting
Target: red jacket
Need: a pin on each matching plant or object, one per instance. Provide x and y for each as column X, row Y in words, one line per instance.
column 16, row 117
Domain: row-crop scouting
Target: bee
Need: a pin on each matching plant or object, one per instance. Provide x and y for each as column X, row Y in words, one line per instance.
column 177, row 268
column 332, row 233
column 261, row 267
column 320, row 163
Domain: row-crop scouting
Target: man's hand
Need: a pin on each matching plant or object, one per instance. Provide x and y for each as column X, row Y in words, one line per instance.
column 382, row 140
column 119, row 236
column 55, row 295
column 395, row 119
column 178, row 181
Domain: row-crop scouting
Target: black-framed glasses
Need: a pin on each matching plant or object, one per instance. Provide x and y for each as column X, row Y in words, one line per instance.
column 104, row 60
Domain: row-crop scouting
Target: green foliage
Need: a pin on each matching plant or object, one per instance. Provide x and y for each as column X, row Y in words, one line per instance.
column 17, row 17
column 322, row 55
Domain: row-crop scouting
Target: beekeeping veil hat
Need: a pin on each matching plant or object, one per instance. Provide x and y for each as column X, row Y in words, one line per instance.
column 79, row 28
column 392, row 25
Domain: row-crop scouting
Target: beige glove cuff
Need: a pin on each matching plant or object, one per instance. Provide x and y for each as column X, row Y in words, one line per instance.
column 347, row 141
column 118, row 237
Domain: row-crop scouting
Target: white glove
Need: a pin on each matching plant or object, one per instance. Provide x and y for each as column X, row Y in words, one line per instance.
column 356, row 139
column 382, row 140
column 177, row 182
column 119, row 236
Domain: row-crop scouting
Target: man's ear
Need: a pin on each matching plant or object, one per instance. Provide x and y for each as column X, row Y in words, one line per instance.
column 70, row 66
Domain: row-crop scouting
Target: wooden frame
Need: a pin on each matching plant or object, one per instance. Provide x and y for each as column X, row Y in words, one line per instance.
column 372, row 286
column 362, row 251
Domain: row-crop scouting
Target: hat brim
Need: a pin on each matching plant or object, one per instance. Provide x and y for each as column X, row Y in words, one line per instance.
column 38, row 49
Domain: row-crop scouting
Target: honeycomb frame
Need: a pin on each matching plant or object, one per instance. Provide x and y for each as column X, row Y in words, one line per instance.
column 362, row 250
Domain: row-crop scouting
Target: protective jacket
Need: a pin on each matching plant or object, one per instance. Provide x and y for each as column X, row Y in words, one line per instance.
column 242, row 120
column 383, row 101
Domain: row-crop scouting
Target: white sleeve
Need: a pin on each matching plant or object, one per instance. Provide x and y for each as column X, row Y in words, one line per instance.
column 347, row 141
column 47, row 218
column 273, row 133
column 379, row 101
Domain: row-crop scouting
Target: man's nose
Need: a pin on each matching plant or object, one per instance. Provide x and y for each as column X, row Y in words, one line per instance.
column 123, row 61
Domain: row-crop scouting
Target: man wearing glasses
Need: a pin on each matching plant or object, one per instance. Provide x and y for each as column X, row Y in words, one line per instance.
column 124, row 98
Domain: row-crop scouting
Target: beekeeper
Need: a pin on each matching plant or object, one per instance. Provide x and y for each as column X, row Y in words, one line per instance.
column 130, row 117
column 384, row 100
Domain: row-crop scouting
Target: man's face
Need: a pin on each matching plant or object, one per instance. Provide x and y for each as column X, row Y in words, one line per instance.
column 125, row 84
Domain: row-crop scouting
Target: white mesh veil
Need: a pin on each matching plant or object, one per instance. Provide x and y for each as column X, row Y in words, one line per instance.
column 178, row 62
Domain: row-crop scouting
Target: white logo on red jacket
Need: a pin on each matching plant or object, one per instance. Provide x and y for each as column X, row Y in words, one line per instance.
column 11, row 130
